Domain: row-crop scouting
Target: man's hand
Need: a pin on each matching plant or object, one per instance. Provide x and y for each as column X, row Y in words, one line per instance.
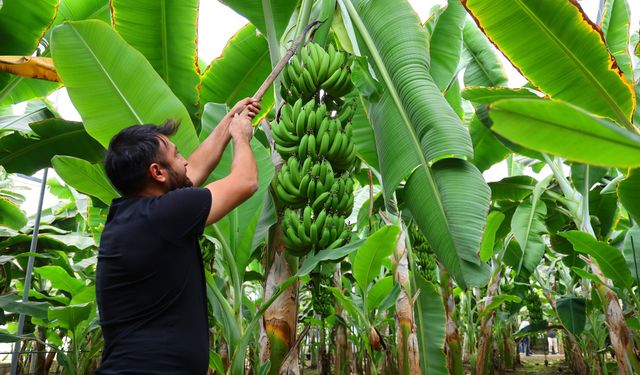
column 251, row 104
column 240, row 128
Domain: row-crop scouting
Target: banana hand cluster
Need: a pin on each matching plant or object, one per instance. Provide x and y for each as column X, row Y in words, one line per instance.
column 312, row 231
column 313, row 135
column 316, row 69
column 309, row 130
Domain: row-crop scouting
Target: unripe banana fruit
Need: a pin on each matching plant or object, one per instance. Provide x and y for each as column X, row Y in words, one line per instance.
column 313, row 134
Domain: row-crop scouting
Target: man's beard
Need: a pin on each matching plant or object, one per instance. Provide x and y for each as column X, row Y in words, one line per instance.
column 177, row 181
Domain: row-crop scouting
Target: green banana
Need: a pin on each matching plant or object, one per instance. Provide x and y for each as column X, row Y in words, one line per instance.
column 302, row 147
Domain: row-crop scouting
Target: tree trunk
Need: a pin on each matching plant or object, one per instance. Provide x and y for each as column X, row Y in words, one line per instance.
column 342, row 360
column 408, row 354
column 324, row 357
column 278, row 334
column 453, row 348
column 486, row 325
column 38, row 358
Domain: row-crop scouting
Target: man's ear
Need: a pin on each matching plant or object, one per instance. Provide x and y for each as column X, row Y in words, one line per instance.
column 157, row 172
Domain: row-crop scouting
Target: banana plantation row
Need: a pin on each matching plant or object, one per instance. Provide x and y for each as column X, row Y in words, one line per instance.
column 373, row 244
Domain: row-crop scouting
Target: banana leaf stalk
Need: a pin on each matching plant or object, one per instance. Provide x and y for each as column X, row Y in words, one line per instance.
column 407, row 340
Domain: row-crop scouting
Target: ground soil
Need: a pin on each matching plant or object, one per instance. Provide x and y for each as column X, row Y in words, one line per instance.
column 535, row 364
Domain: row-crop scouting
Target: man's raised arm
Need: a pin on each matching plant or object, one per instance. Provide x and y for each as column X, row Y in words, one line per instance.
column 242, row 182
column 207, row 156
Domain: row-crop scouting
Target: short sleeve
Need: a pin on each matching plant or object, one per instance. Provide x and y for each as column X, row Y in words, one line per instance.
column 181, row 212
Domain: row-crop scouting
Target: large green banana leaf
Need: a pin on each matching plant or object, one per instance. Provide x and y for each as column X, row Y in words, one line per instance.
column 165, row 32
column 487, row 150
column 281, row 11
column 22, row 25
column 560, row 51
column 431, row 322
column 370, row 256
column 112, row 85
column 239, row 71
column 572, row 313
column 87, row 178
column 610, row 259
column 445, row 45
column 401, row 60
column 615, row 28
column 28, row 154
column 449, row 201
column 561, row 129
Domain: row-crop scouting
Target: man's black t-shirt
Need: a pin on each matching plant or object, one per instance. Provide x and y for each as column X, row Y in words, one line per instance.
column 150, row 285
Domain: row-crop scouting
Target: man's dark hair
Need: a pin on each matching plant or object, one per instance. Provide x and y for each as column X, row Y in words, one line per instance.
column 130, row 153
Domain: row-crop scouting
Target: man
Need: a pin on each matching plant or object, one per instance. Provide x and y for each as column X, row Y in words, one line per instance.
column 150, row 282
column 552, row 340
column 524, row 343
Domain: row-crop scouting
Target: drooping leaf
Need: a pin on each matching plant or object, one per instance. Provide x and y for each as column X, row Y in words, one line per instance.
column 572, row 313
column 172, row 26
column 77, row 10
column 312, row 261
column 515, row 188
column 239, row 71
column 60, row 279
column 11, row 215
column 615, row 28
column 378, row 292
column 494, row 220
column 399, row 60
column 431, row 322
column 27, row 154
column 445, row 45
column 21, row 122
column 85, row 177
column 610, row 259
column 369, row 258
column 12, row 303
column 631, row 250
column 483, row 66
column 70, row 316
column 558, row 32
column 95, row 64
column 628, row 190
column 561, row 129
column 252, row 10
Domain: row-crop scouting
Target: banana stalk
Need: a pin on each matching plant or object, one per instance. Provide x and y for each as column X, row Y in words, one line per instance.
column 453, row 348
column 486, row 325
column 407, row 341
column 278, row 331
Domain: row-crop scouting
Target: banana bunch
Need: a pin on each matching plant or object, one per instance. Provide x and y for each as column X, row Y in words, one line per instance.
column 311, row 231
column 316, row 69
column 313, row 134
column 309, row 130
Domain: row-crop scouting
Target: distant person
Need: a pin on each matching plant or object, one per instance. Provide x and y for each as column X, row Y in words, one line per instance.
column 150, row 280
column 524, row 343
column 552, row 340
